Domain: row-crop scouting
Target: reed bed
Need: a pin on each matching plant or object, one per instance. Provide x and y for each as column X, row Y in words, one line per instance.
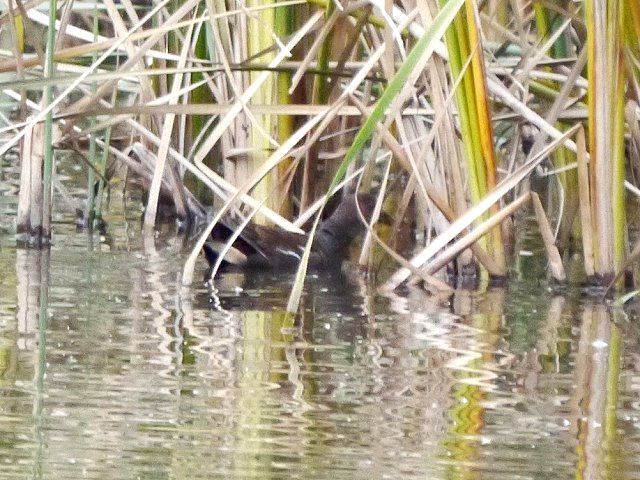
column 461, row 115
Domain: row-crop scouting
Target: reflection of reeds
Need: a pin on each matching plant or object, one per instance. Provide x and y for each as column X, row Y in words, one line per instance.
column 594, row 401
column 606, row 131
column 32, row 272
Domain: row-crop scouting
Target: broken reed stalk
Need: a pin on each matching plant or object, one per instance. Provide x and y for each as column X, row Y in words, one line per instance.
column 548, row 238
column 30, row 198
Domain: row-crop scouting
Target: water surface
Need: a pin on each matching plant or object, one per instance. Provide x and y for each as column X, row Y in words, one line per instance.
column 110, row 369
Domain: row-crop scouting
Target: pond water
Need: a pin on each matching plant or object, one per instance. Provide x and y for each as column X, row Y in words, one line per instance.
column 110, row 369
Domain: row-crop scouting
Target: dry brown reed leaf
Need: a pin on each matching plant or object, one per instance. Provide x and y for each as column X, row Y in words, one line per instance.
column 235, row 83
column 430, row 280
column 217, row 184
column 558, row 105
column 494, row 85
column 39, row 117
column 103, row 43
column 239, row 103
column 154, row 108
column 272, row 162
column 470, row 238
column 313, row 50
column 165, row 143
column 419, row 171
column 121, row 30
column 136, row 56
column 548, row 238
column 539, row 52
column 475, row 212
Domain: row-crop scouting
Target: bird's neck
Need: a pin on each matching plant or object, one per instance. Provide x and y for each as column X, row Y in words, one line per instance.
column 334, row 237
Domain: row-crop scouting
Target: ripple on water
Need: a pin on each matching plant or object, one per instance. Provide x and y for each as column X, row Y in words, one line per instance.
column 133, row 375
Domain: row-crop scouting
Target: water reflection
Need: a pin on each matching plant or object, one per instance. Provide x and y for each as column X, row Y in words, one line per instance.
column 110, row 369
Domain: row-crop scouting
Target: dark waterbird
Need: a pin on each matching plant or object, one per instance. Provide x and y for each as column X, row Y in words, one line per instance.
column 265, row 247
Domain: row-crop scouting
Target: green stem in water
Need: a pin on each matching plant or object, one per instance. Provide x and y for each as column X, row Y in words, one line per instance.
column 48, row 125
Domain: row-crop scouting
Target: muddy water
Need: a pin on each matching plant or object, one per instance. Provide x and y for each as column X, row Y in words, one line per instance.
column 110, row 369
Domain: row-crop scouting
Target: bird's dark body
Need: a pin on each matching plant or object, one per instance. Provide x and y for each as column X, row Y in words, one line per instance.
column 262, row 247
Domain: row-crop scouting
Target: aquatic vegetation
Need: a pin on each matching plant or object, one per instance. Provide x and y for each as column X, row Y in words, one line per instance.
column 461, row 116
